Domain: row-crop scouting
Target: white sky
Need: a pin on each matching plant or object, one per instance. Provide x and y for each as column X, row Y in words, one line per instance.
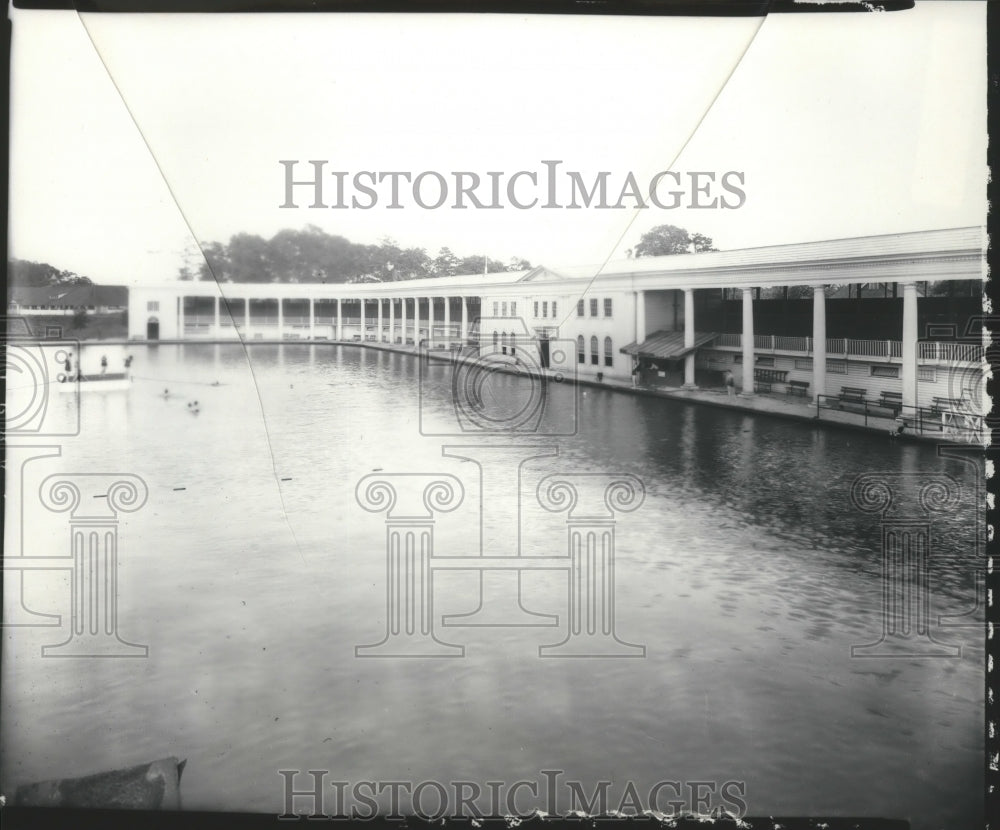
column 130, row 132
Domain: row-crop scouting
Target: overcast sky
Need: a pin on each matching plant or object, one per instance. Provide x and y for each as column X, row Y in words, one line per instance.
column 132, row 135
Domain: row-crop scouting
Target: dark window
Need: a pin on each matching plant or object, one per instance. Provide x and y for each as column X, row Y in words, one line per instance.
column 609, row 357
column 536, row 308
column 581, row 355
column 607, row 307
column 553, row 308
column 580, row 308
column 593, row 308
column 593, row 349
column 545, row 309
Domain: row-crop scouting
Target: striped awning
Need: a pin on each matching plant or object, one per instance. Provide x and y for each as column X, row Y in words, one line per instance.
column 667, row 345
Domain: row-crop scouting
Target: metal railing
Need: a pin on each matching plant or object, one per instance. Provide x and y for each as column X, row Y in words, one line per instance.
column 847, row 347
column 954, row 423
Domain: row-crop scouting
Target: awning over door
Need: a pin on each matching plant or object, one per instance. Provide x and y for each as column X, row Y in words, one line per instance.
column 668, row 345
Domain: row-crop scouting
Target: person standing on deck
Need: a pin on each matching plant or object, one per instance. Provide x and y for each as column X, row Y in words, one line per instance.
column 730, row 384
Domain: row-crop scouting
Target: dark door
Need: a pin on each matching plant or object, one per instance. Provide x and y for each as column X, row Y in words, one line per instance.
column 153, row 329
column 543, row 350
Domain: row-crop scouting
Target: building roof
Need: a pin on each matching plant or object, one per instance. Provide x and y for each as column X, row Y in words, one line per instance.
column 69, row 296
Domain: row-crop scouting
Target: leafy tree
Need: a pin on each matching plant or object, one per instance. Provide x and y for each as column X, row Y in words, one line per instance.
column 446, row 264
column 664, row 240
column 475, row 265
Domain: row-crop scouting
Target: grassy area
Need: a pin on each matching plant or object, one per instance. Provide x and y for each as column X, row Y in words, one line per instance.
column 94, row 326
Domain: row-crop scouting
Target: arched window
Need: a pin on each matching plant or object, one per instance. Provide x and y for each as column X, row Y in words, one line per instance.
column 593, row 351
column 609, row 358
column 503, row 342
column 496, row 340
column 581, row 355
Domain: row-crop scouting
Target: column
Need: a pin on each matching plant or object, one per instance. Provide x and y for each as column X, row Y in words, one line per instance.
column 447, row 321
column 747, row 341
column 246, row 318
column 430, row 322
column 180, row 317
column 402, row 319
column 593, row 503
column 94, row 502
column 378, row 321
column 410, row 502
column 465, row 320
column 340, row 319
column 392, row 320
column 640, row 316
column 281, row 319
column 217, row 326
column 312, row 319
column 819, row 342
column 689, row 338
column 905, row 504
column 909, row 344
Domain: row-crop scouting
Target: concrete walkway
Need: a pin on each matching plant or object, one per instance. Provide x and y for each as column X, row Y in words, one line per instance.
column 784, row 406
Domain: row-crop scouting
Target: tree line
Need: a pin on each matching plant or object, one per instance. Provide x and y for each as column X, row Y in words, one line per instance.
column 312, row 255
column 24, row 272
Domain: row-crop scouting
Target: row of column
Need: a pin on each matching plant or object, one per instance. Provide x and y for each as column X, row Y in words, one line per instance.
column 247, row 326
column 909, row 347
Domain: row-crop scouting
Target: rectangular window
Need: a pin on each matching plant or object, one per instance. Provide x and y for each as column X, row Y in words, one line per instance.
column 503, row 309
column 513, row 309
column 545, row 308
column 885, row 371
column 553, row 308
column 536, row 309
column 738, row 357
column 803, row 363
column 153, row 305
column 926, row 373
column 836, row 367
column 580, row 308
column 764, row 361
column 607, row 307
column 593, row 308
column 496, row 309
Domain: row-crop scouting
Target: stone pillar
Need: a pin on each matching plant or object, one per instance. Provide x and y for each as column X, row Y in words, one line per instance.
column 430, row 322
column 180, row 317
column 447, row 322
column 592, row 502
column 640, row 316
column 281, row 319
column 748, row 351
column 217, row 321
column 402, row 320
column 312, row 319
column 392, row 320
column 909, row 344
column 410, row 502
column 819, row 342
column 340, row 319
column 246, row 318
column 465, row 320
column 689, row 338
column 378, row 322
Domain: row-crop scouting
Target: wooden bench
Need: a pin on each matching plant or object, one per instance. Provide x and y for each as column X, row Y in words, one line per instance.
column 946, row 404
column 850, row 396
column 763, row 378
column 798, row 387
column 892, row 400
